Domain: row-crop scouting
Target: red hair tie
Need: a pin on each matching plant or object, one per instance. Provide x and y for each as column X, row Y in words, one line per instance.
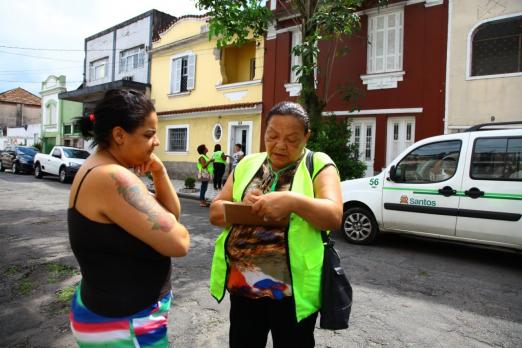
column 92, row 118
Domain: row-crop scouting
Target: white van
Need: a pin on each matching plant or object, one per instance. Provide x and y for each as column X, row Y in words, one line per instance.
column 465, row 187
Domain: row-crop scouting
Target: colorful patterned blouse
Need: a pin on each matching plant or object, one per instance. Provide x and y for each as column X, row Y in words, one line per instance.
column 257, row 254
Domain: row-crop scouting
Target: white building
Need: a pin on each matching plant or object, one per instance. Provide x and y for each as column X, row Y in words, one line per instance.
column 484, row 63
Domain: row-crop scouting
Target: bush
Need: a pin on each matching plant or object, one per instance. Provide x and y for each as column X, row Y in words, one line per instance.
column 39, row 146
column 333, row 138
column 190, row 182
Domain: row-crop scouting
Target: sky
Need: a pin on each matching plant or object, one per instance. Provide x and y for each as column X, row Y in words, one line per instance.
column 46, row 29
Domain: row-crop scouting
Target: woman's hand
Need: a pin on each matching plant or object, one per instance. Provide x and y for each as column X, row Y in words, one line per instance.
column 252, row 196
column 273, row 206
column 153, row 165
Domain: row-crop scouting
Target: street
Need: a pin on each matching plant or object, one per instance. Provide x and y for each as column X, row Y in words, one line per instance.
column 407, row 291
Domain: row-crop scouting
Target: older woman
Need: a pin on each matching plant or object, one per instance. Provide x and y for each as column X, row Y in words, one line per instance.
column 122, row 236
column 273, row 274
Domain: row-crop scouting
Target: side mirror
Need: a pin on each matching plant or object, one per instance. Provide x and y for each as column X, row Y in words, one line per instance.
column 393, row 174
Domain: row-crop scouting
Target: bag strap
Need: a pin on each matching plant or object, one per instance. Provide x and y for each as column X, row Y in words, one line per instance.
column 327, row 241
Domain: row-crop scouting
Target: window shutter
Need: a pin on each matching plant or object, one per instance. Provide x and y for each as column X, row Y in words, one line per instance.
column 175, row 78
column 296, row 59
column 122, row 65
column 141, row 59
column 191, row 78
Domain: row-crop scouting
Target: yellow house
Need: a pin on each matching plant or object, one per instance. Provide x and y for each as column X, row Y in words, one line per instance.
column 204, row 95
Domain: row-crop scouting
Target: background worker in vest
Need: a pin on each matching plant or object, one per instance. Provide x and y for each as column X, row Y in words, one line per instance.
column 205, row 172
column 220, row 161
column 273, row 273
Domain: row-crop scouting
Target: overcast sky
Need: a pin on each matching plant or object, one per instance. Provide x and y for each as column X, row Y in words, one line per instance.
column 61, row 24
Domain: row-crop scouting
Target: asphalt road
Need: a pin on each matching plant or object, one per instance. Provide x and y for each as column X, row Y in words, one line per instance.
column 407, row 291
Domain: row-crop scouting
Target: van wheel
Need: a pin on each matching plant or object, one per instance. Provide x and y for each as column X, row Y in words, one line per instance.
column 359, row 226
column 63, row 175
column 38, row 171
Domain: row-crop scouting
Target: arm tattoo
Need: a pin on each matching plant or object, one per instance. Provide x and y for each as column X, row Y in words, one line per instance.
column 131, row 193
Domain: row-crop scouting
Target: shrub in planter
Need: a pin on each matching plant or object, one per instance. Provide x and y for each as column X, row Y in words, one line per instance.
column 190, row 182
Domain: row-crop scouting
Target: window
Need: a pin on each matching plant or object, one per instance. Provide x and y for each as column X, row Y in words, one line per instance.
column 385, row 38
column 252, row 68
column 369, row 136
column 57, row 153
column 497, row 159
column 183, row 74
column 132, row 59
column 67, row 129
column 497, row 47
column 98, row 69
column 217, row 132
column 357, row 138
column 177, row 139
column 430, row 163
column 51, row 113
column 297, row 39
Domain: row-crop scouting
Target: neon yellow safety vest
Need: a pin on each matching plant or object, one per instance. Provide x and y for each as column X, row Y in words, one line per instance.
column 217, row 157
column 210, row 167
column 305, row 246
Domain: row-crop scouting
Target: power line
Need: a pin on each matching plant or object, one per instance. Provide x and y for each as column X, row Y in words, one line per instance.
column 39, row 57
column 16, row 81
column 41, row 69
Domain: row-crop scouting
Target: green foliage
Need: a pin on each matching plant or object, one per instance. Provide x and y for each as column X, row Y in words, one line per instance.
column 331, row 138
column 65, row 295
column 233, row 21
column 38, row 145
column 58, row 271
column 25, row 287
column 190, row 182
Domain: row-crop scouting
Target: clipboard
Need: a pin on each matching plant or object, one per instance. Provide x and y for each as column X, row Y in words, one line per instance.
column 238, row 213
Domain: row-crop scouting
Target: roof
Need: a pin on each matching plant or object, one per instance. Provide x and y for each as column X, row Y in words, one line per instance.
column 237, row 106
column 174, row 21
column 20, row 96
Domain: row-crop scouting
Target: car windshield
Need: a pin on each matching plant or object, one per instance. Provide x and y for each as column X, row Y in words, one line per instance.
column 30, row 151
column 72, row 153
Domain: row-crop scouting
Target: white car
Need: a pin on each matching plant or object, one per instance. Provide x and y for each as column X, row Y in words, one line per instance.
column 465, row 187
column 62, row 161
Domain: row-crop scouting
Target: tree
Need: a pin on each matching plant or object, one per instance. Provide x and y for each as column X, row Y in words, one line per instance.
column 233, row 22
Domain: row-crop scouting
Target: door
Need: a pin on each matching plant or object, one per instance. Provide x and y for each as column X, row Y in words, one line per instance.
column 422, row 195
column 491, row 203
column 239, row 136
column 400, row 135
column 363, row 135
column 54, row 161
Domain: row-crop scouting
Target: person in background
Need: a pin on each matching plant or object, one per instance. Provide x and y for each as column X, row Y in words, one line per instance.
column 123, row 236
column 220, row 160
column 237, row 155
column 205, row 168
column 273, row 274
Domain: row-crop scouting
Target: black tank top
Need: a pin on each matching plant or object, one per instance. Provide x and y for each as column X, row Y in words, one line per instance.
column 121, row 275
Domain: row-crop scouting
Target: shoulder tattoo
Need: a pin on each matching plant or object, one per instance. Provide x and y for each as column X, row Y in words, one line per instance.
column 132, row 194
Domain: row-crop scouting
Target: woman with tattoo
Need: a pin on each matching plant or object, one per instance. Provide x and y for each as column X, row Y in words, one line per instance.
column 122, row 236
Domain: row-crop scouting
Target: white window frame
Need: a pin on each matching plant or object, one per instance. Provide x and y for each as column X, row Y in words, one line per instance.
column 167, row 140
column 127, row 56
column 175, row 72
column 469, row 55
column 297, row 39
column 96, row 64
column 398, row 42
column 217, row 140
column 52, row 109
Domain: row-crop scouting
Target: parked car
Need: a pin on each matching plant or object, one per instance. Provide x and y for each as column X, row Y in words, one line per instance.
column 62, row 161
column 18, row 158
column 465, row 187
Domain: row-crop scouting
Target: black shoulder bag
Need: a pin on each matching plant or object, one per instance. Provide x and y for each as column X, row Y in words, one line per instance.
column 336, row 289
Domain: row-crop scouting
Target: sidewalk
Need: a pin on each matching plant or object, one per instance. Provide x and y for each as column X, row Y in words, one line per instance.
column 180, row 184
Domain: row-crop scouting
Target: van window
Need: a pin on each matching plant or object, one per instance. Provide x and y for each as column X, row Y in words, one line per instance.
column 497, row 159
column 430, row 163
